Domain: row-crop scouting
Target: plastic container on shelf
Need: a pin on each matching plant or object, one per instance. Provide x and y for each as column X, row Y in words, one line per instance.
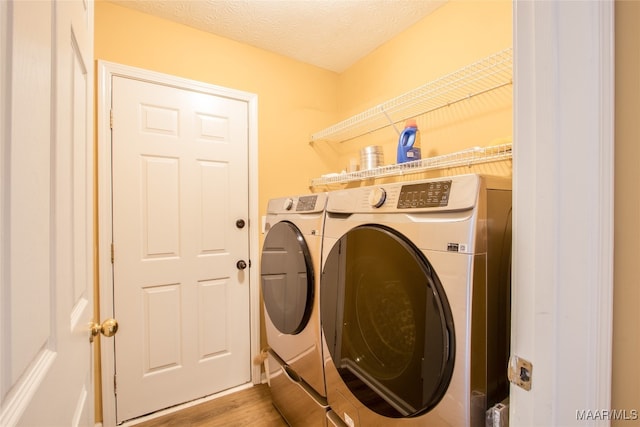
column 409, row 143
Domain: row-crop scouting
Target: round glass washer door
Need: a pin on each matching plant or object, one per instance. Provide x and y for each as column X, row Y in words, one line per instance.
column 387, row 322
column 287, row 278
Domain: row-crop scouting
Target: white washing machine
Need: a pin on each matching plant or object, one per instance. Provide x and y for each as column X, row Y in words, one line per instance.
column 415, row 301
column 290, row 278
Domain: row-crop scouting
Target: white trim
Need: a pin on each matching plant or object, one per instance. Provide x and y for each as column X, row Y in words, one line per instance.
column 5, row 139
column 563, row 209
column 186, row 405
column 106, row 71
column 602, row 323
column 254, row 227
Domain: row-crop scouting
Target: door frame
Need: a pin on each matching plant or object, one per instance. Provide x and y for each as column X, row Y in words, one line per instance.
column 106, row 71
column 563, row 182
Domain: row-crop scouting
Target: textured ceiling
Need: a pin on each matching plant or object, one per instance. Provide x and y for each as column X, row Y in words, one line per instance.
column 331, row 34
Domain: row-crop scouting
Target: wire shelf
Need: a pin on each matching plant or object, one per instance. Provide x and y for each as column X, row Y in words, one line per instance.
column 468, row 157
column 487, row 74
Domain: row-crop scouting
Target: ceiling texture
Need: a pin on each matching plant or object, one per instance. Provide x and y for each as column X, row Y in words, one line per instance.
column 331, row 34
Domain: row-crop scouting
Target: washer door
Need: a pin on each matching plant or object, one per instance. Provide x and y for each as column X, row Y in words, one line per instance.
column 287, row 278
column 387, row 322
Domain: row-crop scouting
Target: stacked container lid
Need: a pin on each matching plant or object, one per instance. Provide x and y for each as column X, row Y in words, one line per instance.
column 371, row 157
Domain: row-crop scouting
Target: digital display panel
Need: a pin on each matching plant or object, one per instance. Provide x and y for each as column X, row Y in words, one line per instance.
column 424, row 195
column 306, row 203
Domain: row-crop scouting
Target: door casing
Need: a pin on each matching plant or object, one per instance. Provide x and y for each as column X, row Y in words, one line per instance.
column 107, row 70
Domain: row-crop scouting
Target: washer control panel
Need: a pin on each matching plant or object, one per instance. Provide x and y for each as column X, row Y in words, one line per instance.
column 288, row 204
column 307, row 203
column 425, row 195
column 377, row 197
column 443, row 194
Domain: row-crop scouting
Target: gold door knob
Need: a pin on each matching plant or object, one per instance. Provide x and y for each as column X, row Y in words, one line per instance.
column 108, row 328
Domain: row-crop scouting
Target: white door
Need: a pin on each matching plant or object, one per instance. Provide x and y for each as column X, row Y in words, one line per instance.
column 46, row 169
column 181, row 293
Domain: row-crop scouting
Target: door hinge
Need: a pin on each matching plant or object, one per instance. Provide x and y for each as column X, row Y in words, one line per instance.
column 110, row 119
column 112, row 254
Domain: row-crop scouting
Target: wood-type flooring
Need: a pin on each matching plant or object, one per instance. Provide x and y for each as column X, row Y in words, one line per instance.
column 250, row 407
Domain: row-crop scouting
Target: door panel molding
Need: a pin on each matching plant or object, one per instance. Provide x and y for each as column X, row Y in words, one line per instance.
column 106, row 71
column 24, row 390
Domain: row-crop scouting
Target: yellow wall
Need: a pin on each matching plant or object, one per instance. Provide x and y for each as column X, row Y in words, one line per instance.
column 454, row 36
column 295, row 99
column 626, row 316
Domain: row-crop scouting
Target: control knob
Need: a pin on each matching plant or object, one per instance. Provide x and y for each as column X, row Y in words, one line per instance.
column 377, row 197
column 288, row 204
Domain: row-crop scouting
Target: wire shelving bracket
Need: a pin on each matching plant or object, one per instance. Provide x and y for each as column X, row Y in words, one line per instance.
column 490, row 73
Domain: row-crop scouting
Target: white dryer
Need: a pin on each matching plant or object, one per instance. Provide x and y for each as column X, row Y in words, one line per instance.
column 415, row 301
column 290, row 279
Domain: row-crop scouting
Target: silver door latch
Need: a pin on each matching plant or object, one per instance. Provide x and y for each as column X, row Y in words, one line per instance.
column 520, row 372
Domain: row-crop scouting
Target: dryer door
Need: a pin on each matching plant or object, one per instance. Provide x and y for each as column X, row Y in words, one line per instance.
column 387, row 322
column 287, row 278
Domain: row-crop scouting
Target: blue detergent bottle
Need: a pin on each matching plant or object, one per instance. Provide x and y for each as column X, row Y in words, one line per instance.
column 409, row 143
